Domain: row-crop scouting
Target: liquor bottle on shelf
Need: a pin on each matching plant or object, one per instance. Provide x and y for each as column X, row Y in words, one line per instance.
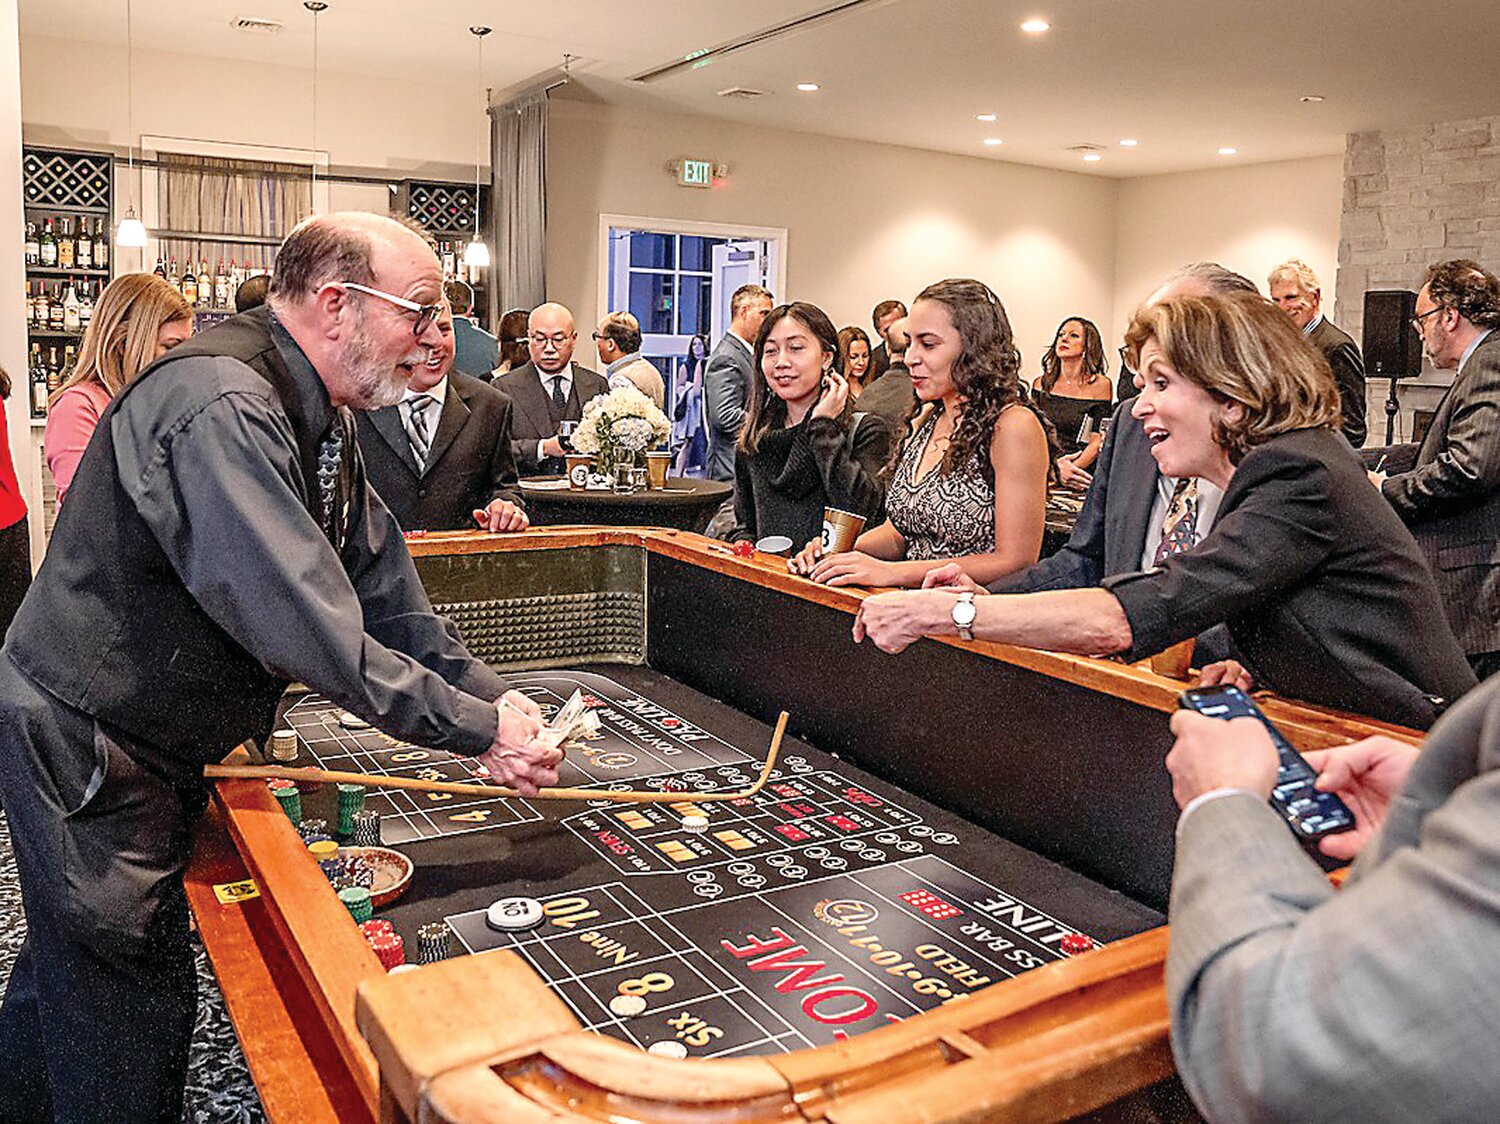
column 65, row 245
column 86, row 301
column 449, row 259
column 37, row 371
column 71, row 322
column 222, row 296
column 205, row 285
column 47, row 248
column 101, row 245
column 189, row 285
column 55, row 309
column 70, row 360
column 39, row 306
column 54, row 370
column 83, row 252
column 174, row 278
column 33, row 247
column 161, row 268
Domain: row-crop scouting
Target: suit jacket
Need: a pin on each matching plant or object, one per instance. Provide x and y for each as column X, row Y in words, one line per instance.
column 1348, row 371
column 890, row 398
column 468, row 465
column 475, row 351
column 533, row 417
column 1451, row 500
column 880, row 362
column 726, row 389
column 1376, row 1002
column 1322, row 589
column 1110, row 534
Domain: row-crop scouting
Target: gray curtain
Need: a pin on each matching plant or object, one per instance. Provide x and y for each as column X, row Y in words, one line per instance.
column 227, row 197
column 518, row 192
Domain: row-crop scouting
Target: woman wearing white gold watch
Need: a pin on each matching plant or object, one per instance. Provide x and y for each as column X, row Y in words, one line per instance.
column 1321, row 587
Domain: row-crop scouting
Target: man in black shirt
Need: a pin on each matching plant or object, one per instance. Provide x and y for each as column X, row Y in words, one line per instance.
column 219, row 541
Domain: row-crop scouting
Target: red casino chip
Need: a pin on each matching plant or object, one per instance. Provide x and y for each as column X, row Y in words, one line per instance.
column 1074, row 943
column 744, row 549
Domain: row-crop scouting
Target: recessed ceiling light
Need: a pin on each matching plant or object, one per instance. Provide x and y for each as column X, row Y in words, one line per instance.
column 808, row 87
column 993, row 141
column 1228, row 151
column 1092, row 158
column 1128, row 142
column 1312, row 99
column 1035, row 26
column 985, row 117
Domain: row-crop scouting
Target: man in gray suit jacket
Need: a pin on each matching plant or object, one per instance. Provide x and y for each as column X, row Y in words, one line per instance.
column 1451, row 499
column 1294, row 1001
column 726, row 379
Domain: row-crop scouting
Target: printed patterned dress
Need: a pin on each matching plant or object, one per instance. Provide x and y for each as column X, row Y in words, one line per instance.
column 943, row 515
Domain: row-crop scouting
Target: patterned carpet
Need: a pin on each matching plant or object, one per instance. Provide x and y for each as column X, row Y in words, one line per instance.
column 219, row 1090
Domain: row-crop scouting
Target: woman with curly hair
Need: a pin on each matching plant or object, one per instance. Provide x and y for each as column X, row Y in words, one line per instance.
column 1074, row 393
column 970, row 483
column 801, row 449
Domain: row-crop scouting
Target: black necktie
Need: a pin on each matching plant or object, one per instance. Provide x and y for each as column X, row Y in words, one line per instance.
column 330, row 462
column 559, row 399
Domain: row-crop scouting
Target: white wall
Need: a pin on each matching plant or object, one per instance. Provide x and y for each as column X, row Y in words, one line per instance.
column 865, row 222
column 1248, row 218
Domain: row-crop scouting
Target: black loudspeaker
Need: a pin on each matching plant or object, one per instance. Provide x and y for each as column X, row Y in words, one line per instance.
column 1392, row 349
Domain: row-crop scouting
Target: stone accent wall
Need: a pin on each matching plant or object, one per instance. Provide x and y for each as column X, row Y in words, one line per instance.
column 1412, row 197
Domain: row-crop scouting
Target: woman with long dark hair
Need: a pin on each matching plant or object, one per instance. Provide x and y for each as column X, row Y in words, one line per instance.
column 513, row 350
column 970, row 483
column 1074, row 393
column 801, row 448
column 689, row 438
column 854, row 352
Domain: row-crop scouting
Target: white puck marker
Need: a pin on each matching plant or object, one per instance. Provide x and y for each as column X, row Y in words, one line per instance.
column 667, row 1048
column 514, row 915
column 627, row 1006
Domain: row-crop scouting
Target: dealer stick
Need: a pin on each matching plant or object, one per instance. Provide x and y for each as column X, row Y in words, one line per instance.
column 415, row 784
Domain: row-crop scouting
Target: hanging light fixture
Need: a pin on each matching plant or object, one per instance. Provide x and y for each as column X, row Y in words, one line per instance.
column 315, row 7
column 132, row 231
column 477, row 252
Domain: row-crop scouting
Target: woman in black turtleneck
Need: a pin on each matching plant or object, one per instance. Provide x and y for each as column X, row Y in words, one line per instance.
column 796, row 454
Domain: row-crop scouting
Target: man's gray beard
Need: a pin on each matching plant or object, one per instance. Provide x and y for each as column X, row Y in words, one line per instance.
column 375, row 383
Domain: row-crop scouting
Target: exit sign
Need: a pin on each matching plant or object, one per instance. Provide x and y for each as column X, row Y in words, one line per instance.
column 695, row 173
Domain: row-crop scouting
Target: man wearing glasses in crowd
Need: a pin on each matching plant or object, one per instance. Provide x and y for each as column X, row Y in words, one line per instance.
column 1451, row 497
column 549, row 390
column 219, row 541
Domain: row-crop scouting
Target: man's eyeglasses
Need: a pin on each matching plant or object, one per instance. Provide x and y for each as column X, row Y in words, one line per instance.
column 558, row 340
column 1416, row 321
column 425, row 313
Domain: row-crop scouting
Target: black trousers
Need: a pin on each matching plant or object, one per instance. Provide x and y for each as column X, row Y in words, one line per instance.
column 98, row 1015
column 1485, row 664
column 15, row 569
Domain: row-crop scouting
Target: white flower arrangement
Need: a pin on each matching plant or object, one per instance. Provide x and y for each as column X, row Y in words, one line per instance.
column 620, row 425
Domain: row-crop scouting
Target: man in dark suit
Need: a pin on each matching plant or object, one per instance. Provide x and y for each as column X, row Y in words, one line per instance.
column 547, row 391
column 726, row 379
column 1295, row 289
column 1451, row 499
column 890, row 396
column 440, row 458
column 882, row 317
column 476, row 352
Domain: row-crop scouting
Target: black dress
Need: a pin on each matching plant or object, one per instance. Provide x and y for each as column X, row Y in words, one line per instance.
column 1075, row 419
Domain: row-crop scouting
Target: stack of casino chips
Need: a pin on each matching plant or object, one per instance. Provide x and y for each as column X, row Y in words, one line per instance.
column 433, row 943
column 283, row 745
column 288, row 797
column 386, row 943
column 312, row 829
column 356, row 900
column 351, row 800
column 366, row 824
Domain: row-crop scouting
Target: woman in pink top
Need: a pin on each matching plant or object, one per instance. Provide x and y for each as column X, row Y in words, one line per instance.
column 139, row 317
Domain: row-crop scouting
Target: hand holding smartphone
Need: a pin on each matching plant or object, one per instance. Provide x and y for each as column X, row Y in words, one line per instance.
column 1310, row 813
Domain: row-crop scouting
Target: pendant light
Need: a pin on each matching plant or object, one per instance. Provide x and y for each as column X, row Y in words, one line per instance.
column 132, row 231
column 315, row 7
column 477, row 252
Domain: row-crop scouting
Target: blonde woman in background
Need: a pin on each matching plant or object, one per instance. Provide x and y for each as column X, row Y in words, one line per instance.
column 139, row 318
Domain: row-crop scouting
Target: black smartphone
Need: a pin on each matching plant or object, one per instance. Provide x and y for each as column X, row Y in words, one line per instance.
column 1310, row 813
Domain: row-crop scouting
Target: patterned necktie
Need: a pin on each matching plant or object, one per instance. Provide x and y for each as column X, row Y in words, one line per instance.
column 1179, row 532
column 330, row 460
column 417, row 431
column 559, row 399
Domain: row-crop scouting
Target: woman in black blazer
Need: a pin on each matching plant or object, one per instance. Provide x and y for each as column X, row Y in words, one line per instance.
column 1321, row 587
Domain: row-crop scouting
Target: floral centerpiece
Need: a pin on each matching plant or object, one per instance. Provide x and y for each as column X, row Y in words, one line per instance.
column 618, row 428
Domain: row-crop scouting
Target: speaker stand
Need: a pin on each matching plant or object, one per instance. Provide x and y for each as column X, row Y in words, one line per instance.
column 1392, row 408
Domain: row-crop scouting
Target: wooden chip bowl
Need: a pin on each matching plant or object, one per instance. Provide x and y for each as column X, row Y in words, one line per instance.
column 393, row 872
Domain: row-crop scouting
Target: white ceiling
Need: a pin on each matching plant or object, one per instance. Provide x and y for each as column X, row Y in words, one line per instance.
column 1183, row 77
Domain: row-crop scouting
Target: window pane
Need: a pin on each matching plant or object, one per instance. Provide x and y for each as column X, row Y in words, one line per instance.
column 698, row 253
column 652, row 251
column 651, row 301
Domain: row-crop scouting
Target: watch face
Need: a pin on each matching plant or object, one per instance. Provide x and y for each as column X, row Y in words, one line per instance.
column 963, row 614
